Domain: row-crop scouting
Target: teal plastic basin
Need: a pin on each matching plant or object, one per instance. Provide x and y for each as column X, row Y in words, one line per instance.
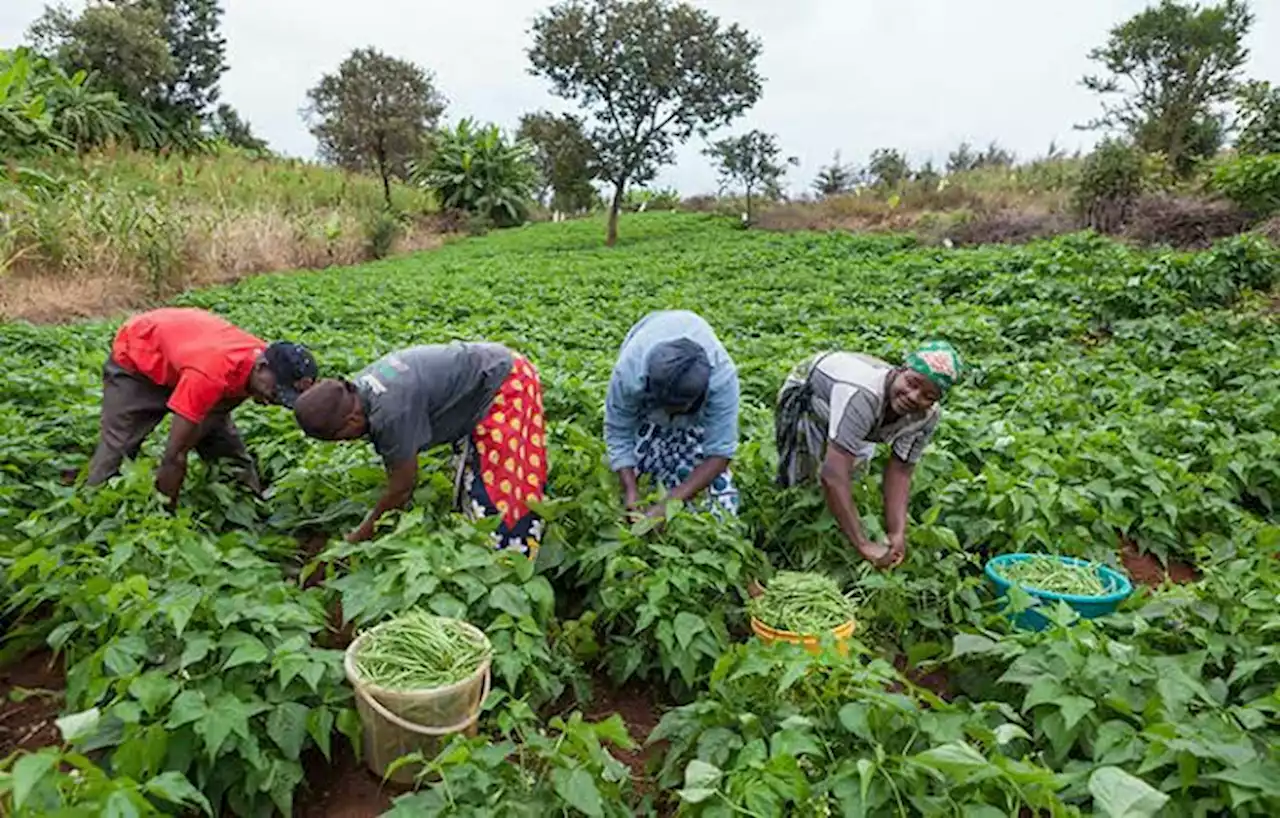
column 1088, row 607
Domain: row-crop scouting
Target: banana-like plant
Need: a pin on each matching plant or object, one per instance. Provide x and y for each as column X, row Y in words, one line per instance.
column 477, row 169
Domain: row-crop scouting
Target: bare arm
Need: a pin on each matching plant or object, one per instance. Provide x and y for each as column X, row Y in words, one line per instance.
column 897, row 491
column 630, row 488
column 701, row 477
column 401, row 479
column 836, row 477
column 183, row 436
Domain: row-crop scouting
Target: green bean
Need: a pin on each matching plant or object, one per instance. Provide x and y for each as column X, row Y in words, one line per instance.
column 419, row 651
column 1046, row 573
column 802, row 603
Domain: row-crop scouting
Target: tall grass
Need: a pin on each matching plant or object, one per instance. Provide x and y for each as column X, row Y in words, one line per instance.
column 82, row 235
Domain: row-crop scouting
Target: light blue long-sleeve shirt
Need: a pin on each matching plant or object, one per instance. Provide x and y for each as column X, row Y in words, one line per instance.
column 627, row 406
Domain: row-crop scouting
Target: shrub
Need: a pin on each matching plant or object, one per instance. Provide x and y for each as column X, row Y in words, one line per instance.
column 1252, row 182
column 643, row 199
column 1110, row 181
column 1183, row 221
column 476, row 169
column 381, row 233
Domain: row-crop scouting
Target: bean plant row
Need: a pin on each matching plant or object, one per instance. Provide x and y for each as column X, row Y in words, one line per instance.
column 1118, row 397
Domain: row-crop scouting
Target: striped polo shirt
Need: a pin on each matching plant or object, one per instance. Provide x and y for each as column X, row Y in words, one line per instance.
column 850, row 395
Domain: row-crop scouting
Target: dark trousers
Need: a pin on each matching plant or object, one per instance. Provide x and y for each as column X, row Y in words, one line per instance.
column 132, row 406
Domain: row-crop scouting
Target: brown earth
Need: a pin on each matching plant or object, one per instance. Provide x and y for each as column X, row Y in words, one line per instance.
column 30, row 700
column 1147, row 570
column 638, row 708
column 344, row 788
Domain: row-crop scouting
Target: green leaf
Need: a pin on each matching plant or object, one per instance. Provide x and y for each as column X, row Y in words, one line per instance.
column 971, row 644
column 287, row 727
column 77, row 726
column 189, row 706
column 120, row 805
column 701, row 781
column 152, row 691
column 1074, row 708
column 688, row 625
column 1117, row 794
column 121, row 655
column 28, row 772
column 578, row 790
column 1045, row 690
column 614, row 731
column 1007, row 732
column 180, row 604
column 176, row 789
column 349, row 726
column 509, row 599
column 956, row 760
column 195, row 650
column 853, row 717
column 248, row 650
column 320, row 728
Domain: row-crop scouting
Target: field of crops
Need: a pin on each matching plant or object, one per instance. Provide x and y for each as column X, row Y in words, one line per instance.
column 1117, row 396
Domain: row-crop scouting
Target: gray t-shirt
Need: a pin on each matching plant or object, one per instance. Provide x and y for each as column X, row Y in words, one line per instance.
column 849, row 395
column 427, row 395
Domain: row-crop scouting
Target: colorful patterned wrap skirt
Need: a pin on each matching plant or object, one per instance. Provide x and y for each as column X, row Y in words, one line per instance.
column 503, row 463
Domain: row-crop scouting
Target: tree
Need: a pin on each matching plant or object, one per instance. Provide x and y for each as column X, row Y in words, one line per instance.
column 476, row 169
column 192, row 29
column 994, row 157
column 834, row 179
column 373, row 113
column 227, row 125
column 888, row 167
column 752, row 160
column 1170, row 68
column 120, row 45
column 928, row 175
column 166, row 54
column 962, row 158
column 564, row 157
column 1259, row 119
column 651, row 73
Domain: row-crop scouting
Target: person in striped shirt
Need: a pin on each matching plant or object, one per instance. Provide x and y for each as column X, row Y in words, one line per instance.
column 832, row 411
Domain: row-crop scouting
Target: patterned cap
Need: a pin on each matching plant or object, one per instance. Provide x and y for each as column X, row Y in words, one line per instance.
column 291, row 363
column 939, row 362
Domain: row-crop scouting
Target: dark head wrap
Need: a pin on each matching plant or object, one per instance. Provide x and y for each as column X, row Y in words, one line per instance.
column 678, row 373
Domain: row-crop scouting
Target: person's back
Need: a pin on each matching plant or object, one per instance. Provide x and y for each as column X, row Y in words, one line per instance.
column 430, row 394
column 162, row 343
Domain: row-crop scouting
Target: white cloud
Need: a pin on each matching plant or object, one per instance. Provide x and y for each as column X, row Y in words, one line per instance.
column 853, row 75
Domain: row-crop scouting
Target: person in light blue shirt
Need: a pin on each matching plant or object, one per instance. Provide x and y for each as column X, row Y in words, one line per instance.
column 672, row 411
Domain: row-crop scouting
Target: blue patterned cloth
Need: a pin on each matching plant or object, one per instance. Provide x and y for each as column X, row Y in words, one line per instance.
column 670, row 454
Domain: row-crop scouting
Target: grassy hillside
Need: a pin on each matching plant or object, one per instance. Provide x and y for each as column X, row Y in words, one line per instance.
column 118, row 229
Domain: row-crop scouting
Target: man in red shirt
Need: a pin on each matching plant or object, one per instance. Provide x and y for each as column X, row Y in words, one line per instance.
column 199, row 367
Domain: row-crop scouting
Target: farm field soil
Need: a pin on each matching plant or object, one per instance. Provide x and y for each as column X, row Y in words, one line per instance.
column 30, row 699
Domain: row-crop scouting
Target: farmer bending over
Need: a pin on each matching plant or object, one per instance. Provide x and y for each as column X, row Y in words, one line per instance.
column 199, row 367
column 483, row 398
column 836, row 406
column 672, row 411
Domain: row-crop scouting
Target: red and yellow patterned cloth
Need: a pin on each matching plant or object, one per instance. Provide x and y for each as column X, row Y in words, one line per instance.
column 505, row 467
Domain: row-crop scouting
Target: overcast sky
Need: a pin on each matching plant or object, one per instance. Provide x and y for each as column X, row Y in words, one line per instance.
column 852, row 75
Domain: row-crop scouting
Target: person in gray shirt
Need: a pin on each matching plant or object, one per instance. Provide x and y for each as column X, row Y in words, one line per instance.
column 483, row 399
column 833, row 410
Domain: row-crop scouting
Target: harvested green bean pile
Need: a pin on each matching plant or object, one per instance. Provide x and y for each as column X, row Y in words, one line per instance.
column 418, row 651
column 1045, row 573
column 802, row 603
